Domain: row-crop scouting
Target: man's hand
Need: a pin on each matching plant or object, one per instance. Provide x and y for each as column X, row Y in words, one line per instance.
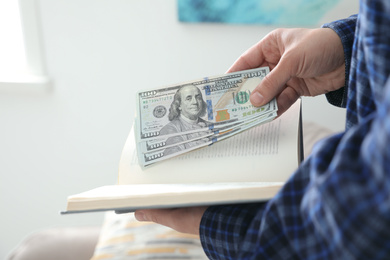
column 185, row 220
column 303, row 62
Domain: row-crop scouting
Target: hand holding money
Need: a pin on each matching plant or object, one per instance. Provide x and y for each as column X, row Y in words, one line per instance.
column 181, row 118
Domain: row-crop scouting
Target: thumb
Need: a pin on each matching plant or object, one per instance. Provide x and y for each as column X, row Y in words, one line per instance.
column 272, row 85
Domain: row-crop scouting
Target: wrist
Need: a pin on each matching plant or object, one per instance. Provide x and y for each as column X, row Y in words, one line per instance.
column 345, row 29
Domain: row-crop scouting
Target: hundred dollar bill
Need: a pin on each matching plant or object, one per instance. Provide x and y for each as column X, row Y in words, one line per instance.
column 199, row 105
column 167, row 141
column 149, row 158
column 187, row 139
column 213, row 127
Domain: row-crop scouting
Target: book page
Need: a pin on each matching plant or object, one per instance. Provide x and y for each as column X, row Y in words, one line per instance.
column 266, row 153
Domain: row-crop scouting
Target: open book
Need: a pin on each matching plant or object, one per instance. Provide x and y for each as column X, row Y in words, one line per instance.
column 249, row 167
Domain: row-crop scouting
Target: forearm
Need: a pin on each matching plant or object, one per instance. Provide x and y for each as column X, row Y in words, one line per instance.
column 345, row 29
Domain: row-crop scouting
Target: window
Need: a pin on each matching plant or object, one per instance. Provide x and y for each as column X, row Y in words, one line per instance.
column 21, row 59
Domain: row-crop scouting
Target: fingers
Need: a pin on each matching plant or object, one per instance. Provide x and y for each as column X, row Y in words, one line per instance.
column 159, row 216
column 185, row 220
column 272, row 85
column 266, row 53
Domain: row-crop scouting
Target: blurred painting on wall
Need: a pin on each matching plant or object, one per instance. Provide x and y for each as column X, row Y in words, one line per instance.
column 265, row 12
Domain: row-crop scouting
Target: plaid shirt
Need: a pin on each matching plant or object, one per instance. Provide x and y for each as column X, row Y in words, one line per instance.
column 337, row 204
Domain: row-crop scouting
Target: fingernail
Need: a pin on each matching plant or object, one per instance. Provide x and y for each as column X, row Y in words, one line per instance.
column 139, row 215
column 256, row 98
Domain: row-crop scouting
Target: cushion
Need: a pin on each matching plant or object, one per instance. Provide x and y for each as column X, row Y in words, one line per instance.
column 123, row 237
column 62, row 243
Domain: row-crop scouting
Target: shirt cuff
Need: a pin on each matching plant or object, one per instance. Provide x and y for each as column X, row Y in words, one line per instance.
column 345, row 29
column 223, row 227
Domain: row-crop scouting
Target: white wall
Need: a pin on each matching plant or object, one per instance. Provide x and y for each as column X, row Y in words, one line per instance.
column 99, row 53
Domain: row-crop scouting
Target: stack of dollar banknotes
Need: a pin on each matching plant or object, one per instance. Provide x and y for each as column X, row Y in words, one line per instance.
column 180, row 118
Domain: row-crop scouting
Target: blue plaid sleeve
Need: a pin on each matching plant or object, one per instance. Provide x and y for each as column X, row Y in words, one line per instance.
column 336, row 205
column 346, row 31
